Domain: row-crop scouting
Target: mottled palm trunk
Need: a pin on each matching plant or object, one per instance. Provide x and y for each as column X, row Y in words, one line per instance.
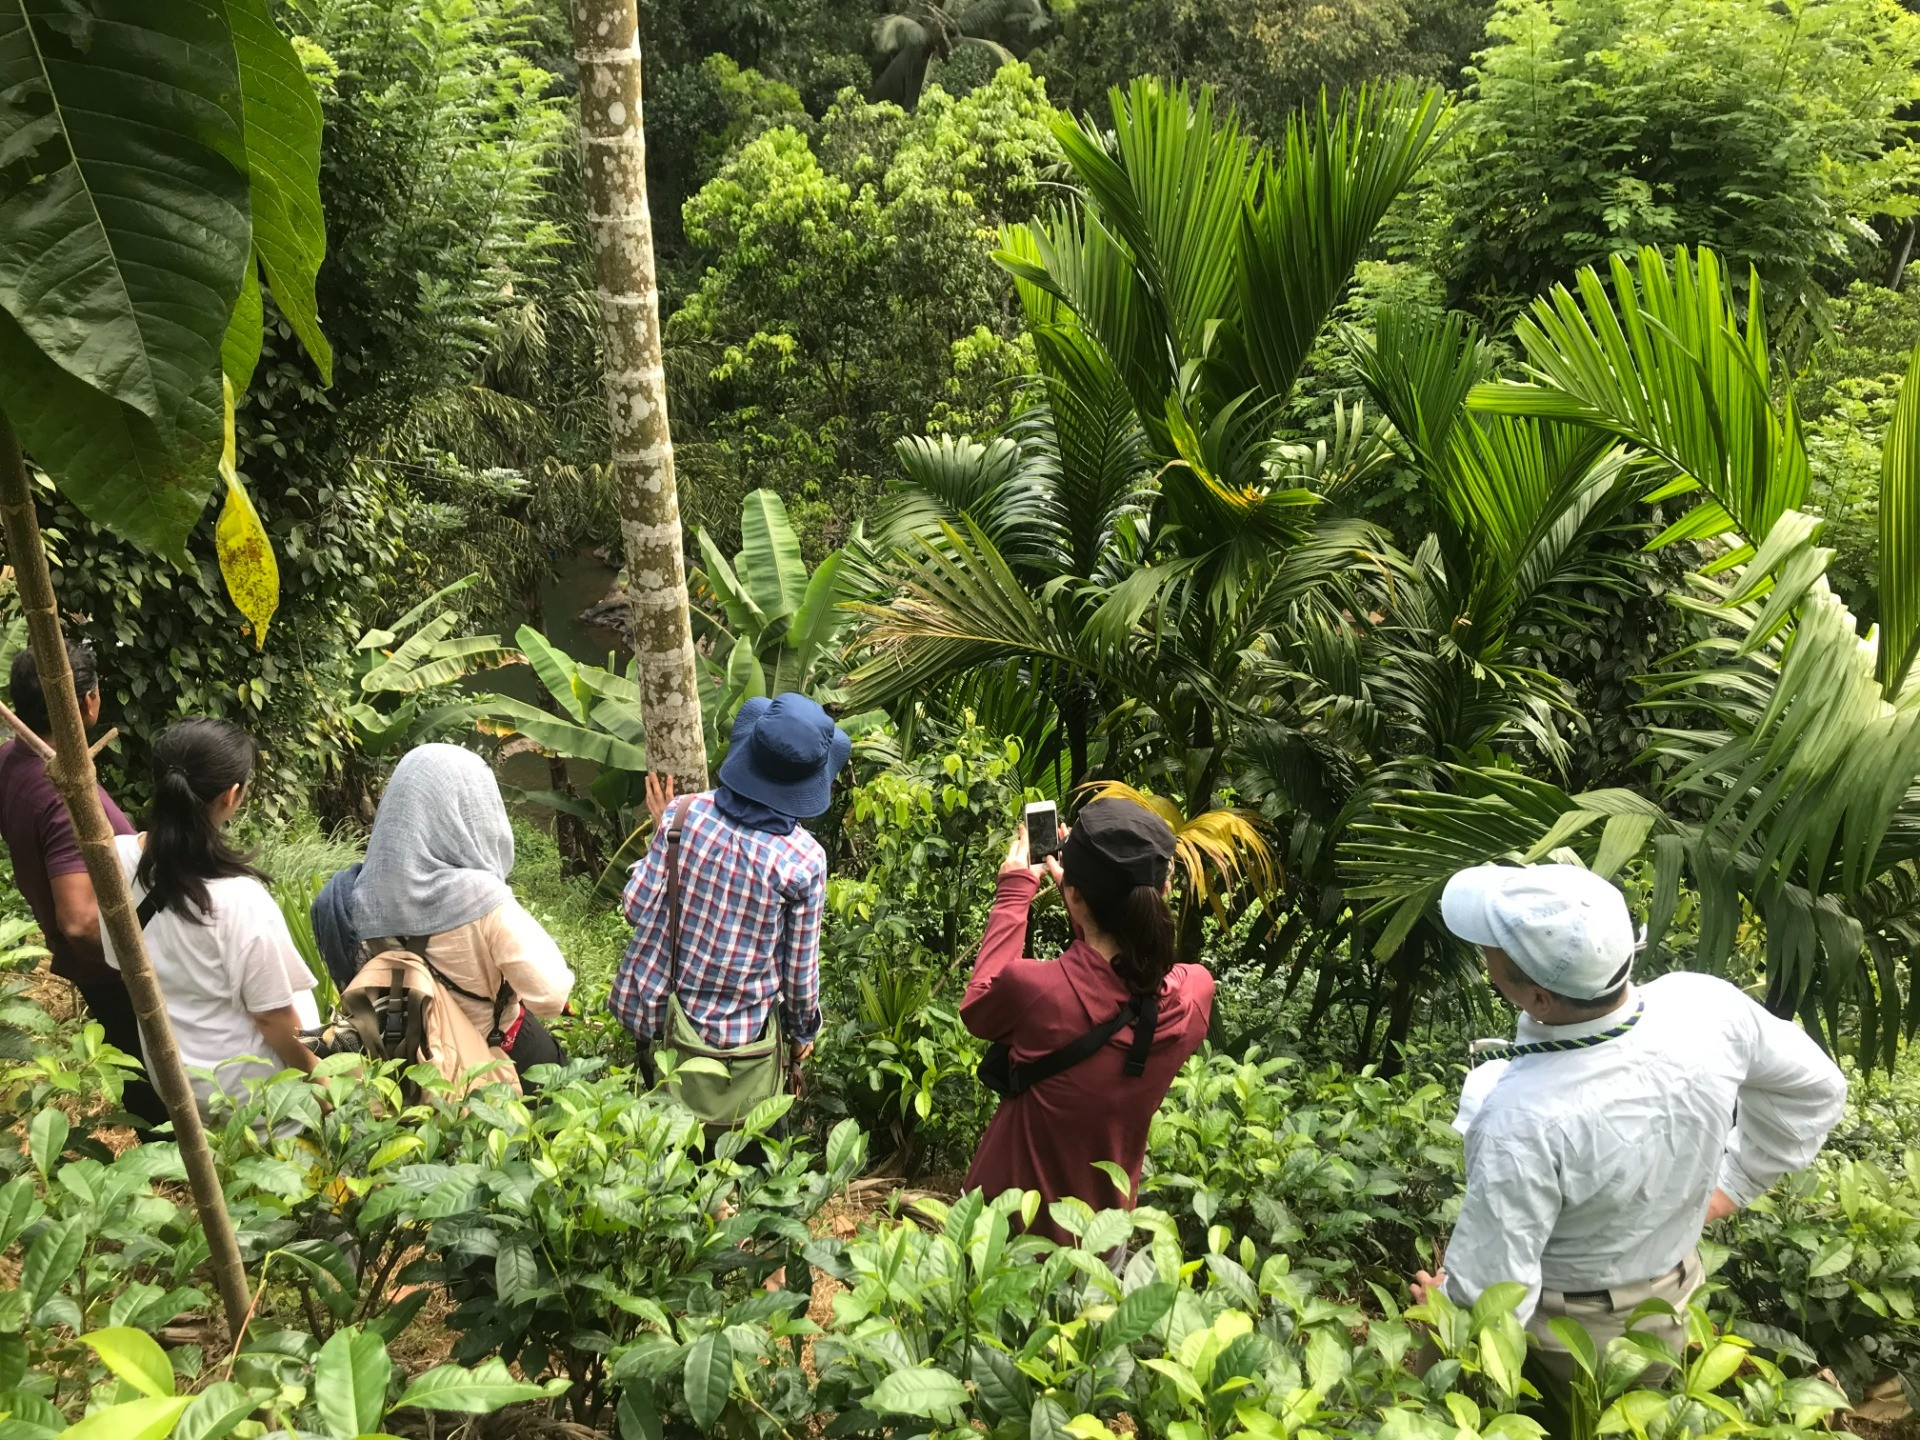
column 606, row 44
column 72, row 773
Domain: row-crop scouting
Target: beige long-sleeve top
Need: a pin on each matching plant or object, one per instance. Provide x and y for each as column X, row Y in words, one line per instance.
column 504, row 944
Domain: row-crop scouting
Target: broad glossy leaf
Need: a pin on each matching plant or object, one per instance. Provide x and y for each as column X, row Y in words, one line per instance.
column 709, row 1377
column 240, row 349
column 124, row 237
column 555, row 669
column 147, row 1418
column 215, row 1412
column 926, row 1391
column 350, row 1380
column 52, row 1258
column 136, row 1357
column 487, row 1387
column 281, row 125
column 770, row 567
column 47, row 1140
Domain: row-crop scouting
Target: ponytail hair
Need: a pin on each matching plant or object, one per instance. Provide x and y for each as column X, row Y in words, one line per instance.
column 194, row 763
column 1141, row 922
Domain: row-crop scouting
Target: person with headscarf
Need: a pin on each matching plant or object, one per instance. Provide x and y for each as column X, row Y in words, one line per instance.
column 1093, row 1039
column 435, row 880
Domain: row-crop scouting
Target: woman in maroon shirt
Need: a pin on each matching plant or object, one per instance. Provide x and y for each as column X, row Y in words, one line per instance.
column 1113, row 874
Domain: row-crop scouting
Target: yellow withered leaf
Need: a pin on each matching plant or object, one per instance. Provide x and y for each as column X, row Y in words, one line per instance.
column 246, row 555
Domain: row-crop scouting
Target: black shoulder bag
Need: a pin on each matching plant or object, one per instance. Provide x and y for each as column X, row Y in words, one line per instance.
column 1000, row 1073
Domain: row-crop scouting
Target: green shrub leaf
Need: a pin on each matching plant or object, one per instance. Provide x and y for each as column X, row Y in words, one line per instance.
column 136, row 1357
column 928, row 1392
column 350, row 1381
column 709, row 1377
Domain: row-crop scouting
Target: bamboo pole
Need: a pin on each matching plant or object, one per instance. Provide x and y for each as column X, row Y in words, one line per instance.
column 72, row 772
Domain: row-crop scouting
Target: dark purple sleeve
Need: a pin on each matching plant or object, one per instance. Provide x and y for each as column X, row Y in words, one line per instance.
column 59, row 850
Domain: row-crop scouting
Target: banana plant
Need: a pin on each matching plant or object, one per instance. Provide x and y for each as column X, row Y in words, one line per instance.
column 595, row 717
column 401, row 672
column 779, row 628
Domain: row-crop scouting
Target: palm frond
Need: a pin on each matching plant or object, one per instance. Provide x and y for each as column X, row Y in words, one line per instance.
column 1317, row 204
column 1899, row 567
column 1664, row 363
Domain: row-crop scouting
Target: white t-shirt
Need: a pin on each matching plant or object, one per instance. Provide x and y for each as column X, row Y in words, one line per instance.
column 216, row 976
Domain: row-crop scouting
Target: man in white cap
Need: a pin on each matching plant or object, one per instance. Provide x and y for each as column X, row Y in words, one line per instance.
column 1610, row 1138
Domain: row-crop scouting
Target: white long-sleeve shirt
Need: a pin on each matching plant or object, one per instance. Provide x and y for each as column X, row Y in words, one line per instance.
column 1588, row 1169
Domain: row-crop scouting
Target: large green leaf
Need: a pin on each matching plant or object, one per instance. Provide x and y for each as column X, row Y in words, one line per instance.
column 1665, row 362
column 770, row 566
column 281, row 116
column 709, row 1377
column 1899, row 570
column 929, row 1392
column 148, row 1418
column 554, row 667
column 136, row 1357
column 350, row 1380
column 563, row 737
column 487, row 1387
column 1321, row 198
column 124, row 237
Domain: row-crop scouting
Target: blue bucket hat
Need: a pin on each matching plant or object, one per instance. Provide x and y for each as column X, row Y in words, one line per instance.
column 785, row 753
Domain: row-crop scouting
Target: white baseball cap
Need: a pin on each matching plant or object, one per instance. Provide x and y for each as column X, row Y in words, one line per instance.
column 1567, row 928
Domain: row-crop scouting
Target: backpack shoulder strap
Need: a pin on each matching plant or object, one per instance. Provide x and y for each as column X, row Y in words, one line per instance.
column 1031, row 1073
column 148, row 908
column 676, row 823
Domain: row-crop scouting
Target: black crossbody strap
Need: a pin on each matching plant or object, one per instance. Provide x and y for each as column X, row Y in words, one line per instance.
column 676, row 821
column 1027, row 1074
column 149, row 907
column 1143, row 1028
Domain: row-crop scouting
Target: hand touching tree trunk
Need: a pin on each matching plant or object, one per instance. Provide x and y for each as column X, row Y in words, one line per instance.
column 620, row 235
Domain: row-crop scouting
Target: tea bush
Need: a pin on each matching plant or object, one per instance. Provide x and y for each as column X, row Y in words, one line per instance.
column 1354, row 1176
column 924, row 841
column 561, row 1230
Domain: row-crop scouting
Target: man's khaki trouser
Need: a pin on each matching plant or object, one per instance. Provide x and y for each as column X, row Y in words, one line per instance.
column 1605, row 1314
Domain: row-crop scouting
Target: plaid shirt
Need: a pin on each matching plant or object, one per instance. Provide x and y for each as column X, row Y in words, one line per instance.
column 750, row 908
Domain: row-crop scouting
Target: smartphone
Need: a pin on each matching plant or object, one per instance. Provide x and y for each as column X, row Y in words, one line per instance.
column 1043, row 830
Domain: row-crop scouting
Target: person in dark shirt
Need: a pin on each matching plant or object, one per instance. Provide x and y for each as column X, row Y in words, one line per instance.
column 49, row 871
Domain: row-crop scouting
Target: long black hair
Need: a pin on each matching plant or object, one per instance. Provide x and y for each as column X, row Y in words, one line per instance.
column 1138, row 919
column 194, row 763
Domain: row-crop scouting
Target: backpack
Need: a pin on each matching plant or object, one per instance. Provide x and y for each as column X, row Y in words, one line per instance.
column 396, row 1009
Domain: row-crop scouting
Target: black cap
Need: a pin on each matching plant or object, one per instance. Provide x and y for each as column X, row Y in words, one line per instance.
column 1115, row 845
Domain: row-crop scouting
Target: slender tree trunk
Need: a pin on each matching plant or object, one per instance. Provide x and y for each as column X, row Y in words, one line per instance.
column 606, row 44
column 72, row 773
column 1902, row 252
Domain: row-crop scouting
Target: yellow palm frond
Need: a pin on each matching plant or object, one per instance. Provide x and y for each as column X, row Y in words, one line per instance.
column 1218, row 850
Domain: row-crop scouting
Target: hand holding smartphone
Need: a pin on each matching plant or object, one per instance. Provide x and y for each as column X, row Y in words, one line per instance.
column 1043, row 830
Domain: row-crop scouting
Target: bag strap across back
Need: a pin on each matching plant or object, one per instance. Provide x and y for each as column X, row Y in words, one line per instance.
column 1141, row 1012
column 676, row 825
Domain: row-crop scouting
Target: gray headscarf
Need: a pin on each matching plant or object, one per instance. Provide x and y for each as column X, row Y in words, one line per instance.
column 441, row 848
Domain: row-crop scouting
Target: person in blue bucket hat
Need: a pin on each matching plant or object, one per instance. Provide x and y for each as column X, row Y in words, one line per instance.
column 726, row 908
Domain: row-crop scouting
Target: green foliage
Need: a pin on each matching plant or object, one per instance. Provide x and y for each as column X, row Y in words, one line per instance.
column 1846, row 394
column 840, row 275
column 568, row 1233
column 923, row 841
column 1264, row 60
column 697, row 116
column 1831, row 1256
column 779, row 627
column 933, row 32
column 439, row 132
column 1354, row 1177
column 1599, row 126
column 156, row 149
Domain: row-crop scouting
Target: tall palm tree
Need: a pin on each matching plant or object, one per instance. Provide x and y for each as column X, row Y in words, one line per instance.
column 906, row 42
column 606, row 44
column 1789, row 782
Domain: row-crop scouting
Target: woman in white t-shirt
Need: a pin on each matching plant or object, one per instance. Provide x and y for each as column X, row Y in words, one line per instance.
column 237, row 992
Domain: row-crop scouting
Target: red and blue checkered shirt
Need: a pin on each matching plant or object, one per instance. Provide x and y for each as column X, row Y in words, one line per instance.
column 750, row 910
